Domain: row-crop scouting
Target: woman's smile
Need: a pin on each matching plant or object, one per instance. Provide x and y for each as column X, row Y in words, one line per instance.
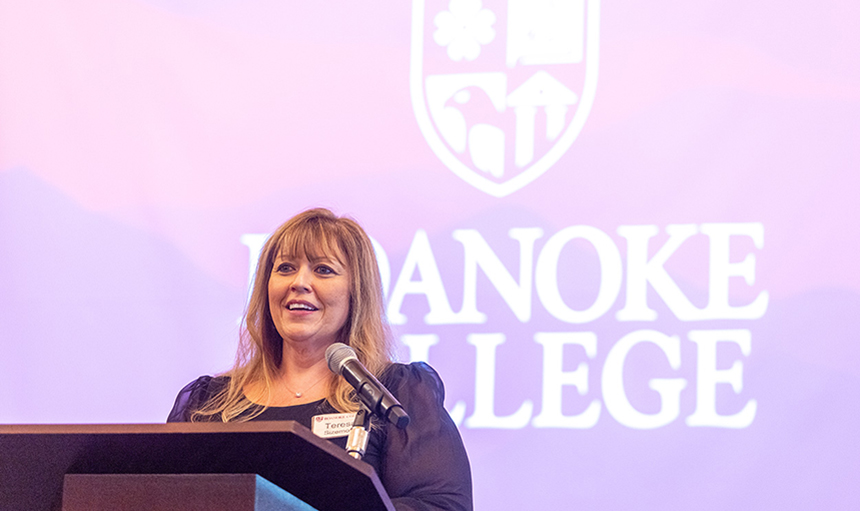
column 301, row 305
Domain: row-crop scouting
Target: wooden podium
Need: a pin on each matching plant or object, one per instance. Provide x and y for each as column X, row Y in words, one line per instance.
column 254, row 466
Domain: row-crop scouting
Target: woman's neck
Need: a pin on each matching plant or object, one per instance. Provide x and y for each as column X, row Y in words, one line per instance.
column 303, row 377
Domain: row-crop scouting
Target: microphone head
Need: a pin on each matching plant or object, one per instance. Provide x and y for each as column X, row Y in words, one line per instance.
column 337, row 354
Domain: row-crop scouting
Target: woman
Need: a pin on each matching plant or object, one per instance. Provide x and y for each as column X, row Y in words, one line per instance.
column 318, row 283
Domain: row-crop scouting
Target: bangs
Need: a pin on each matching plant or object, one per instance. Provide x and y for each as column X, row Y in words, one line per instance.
column 315, row 239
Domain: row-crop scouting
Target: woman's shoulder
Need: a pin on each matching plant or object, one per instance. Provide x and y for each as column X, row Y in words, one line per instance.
column 194, row 395
column 405, row 380
column 206, row 386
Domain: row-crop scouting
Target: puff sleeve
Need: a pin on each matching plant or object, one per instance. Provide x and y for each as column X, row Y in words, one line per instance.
column 193, row 396
column 424, row 466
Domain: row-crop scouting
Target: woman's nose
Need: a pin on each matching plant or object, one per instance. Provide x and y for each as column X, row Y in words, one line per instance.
column 302, row 280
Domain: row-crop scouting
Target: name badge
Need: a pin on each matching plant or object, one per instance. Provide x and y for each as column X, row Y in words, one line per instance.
column 332, row 425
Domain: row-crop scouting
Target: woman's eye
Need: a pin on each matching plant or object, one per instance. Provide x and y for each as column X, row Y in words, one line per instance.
column 284, row 268
column 325, row 270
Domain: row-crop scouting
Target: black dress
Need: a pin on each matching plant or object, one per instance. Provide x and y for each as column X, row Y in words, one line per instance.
column 423, row 467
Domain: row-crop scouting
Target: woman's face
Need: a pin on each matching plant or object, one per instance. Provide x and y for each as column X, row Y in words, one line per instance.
column 309, row 299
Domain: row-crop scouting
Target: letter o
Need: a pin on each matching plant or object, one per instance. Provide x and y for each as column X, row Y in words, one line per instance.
column 546, row 274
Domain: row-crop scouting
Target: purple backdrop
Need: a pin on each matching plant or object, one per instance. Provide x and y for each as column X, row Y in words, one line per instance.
column 625, row 233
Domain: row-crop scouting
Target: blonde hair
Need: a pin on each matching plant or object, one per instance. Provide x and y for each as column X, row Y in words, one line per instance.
column 314, row 233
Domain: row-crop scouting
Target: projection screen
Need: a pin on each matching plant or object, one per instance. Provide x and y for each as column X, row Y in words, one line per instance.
column 625, row 233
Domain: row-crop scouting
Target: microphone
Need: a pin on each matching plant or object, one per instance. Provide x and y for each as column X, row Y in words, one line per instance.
column 343, row 361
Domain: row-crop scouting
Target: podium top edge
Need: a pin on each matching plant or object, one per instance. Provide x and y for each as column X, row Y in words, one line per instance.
column 150, row 428
column 182, row 428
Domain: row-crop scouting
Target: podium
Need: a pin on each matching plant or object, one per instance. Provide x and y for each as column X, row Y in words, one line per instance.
column 261, row 466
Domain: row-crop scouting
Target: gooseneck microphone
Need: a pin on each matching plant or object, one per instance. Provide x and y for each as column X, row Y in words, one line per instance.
column 343, row 361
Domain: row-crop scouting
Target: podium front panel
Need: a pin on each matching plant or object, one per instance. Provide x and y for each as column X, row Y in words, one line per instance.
column 35, row 459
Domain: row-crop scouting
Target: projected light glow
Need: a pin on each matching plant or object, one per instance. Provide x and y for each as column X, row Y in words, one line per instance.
column 638, row 284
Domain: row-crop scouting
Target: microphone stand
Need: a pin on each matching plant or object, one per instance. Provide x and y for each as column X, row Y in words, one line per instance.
column 359, row 435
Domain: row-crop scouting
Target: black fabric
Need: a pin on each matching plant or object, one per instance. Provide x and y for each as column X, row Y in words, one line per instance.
column 423, row 467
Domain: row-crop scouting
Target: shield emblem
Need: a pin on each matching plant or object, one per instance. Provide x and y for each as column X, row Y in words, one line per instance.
column 502, row 89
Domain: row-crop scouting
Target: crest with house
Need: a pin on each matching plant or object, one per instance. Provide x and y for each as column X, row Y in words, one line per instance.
column 501, row 90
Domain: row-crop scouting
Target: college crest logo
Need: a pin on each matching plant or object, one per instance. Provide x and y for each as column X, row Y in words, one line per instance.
column 501, row 89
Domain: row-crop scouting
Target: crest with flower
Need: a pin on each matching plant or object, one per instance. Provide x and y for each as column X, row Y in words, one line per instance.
column 463, row 28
